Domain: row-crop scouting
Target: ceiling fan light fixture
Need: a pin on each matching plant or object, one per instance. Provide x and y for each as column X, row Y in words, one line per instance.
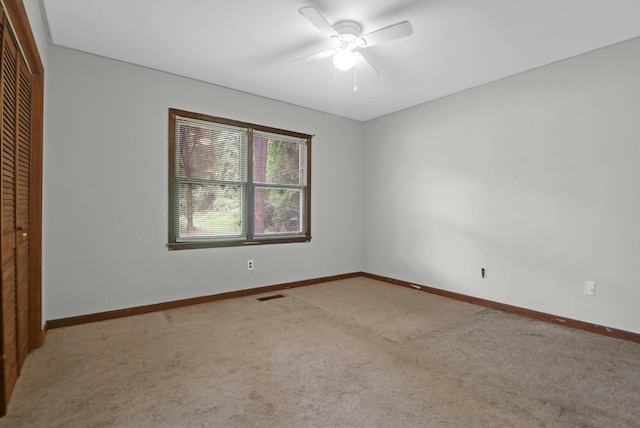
column 344, row 59
column 347, row 36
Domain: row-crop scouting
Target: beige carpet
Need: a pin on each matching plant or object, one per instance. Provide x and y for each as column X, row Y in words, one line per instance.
column 352, row 353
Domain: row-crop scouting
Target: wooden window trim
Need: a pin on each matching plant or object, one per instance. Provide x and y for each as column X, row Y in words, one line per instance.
column 262, row 240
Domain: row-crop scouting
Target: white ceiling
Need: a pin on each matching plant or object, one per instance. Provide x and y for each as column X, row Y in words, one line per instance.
column 248, row 45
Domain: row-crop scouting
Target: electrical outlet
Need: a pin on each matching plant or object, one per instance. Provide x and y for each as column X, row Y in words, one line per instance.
column 250, row 265
column 483, row 273
column 590, row 288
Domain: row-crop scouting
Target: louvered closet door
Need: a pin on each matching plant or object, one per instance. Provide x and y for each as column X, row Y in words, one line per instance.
column 8, row 72
column 22, row 180
column 15, row 104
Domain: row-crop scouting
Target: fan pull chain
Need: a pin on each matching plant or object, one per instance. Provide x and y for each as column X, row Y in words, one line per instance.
column 334, row 74
column 355, row 79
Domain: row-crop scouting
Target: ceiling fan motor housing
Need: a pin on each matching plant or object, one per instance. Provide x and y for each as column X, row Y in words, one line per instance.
column 349, row 32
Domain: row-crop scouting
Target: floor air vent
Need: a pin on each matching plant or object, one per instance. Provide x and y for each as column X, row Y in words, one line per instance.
column 275, row 296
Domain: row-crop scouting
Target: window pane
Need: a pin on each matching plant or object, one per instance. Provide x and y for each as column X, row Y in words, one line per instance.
column 220, row 196
column 209, row 210
column 276, row 161
column 209, row 154
column 278, row 210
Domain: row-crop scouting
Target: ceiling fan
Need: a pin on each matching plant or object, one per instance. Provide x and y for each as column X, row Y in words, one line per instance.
column 348, row 39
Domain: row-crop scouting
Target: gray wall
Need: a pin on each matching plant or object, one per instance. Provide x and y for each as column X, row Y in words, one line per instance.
column 535, row 177
column 106, row 208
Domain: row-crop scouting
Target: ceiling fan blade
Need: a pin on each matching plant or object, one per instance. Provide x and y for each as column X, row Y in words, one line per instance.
column 392, row 32
column 318, row 20
column 315, row 57
column 365, row 64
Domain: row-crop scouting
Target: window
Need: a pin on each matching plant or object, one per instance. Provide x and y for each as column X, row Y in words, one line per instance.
column 235, row 183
